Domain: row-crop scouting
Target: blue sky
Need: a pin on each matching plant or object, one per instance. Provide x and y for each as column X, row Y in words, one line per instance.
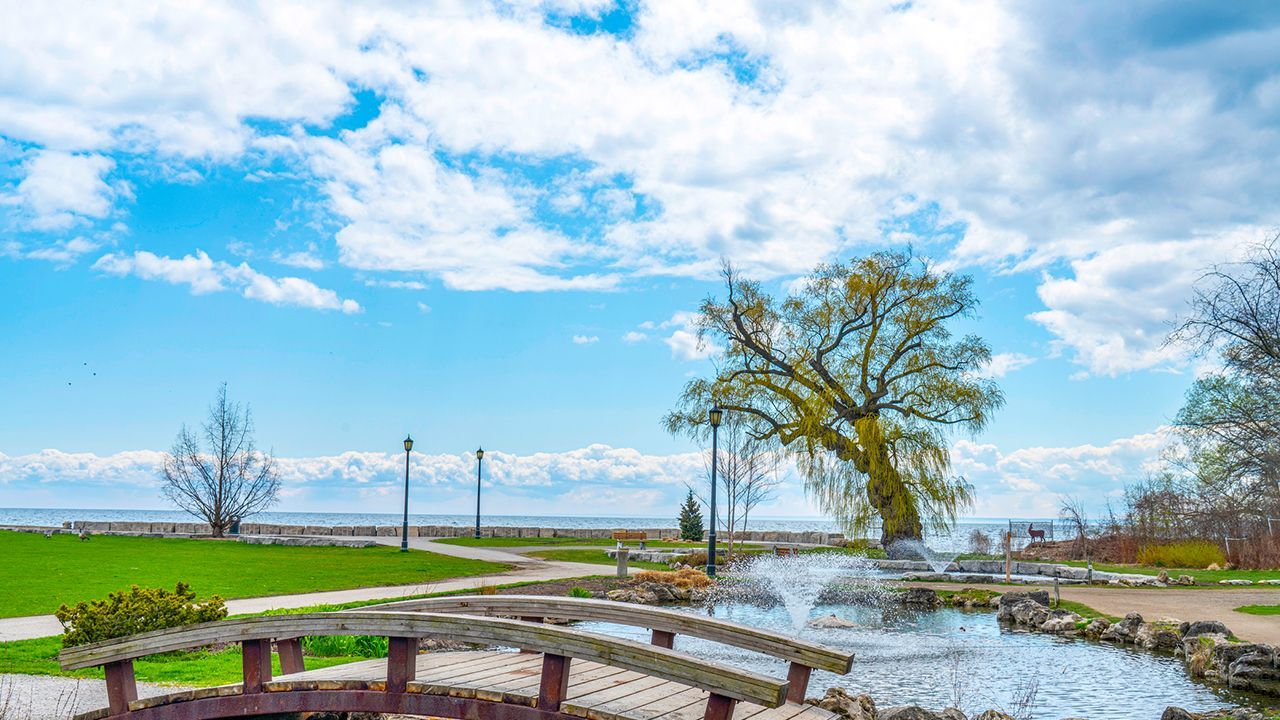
column 487, row 224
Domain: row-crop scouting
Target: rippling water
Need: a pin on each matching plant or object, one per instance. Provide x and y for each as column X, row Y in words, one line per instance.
column 956, row 540
column 965, row 658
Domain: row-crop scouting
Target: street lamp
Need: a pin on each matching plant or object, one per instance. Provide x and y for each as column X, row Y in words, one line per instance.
column 715, row 415
column 404, row 529
column 479, row 463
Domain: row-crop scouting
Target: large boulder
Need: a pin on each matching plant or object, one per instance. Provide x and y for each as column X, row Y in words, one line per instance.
column 1123, row 631
column 952, row 714
column 1060, row 622
column 1177, row 713
column 831, row 622
column 851, row 707
column 908, row 712
column 994, row 715
column 1203, row 627
column 1096, row 627
column 1010, row 600
column 1157, row 636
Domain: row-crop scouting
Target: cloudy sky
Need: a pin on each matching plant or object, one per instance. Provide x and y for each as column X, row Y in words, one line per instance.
column 486, row 223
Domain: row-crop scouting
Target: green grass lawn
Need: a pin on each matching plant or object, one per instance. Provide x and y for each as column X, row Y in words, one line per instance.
column 1259, row 609
column 595, row 557
column 1201, row 576
column 39, row 574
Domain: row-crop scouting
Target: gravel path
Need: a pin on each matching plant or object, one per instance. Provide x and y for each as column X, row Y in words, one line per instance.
column 37, row 697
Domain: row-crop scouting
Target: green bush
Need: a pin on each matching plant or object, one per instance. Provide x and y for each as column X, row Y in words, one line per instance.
column 370, row 646
column 579, row 592
column 136, row 610
column 1186, row 554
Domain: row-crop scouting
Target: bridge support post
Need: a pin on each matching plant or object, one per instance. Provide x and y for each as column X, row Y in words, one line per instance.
column 122, row 688
column 554, row 686
column 402, row 663
column 290, row 651
column 256, row 660
column 719, row 707
column 663, row 638
column 798, row 676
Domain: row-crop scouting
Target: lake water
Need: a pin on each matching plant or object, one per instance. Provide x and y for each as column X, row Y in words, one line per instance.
column 967, row 659
column 957, row 540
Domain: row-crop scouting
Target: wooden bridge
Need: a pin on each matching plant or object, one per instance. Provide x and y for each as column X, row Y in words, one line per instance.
column 554, row 673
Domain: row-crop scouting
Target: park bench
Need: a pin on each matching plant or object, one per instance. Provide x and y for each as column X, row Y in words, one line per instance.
column 621, row 536
column 560, row 673
column 664, row 623
column 785, row 550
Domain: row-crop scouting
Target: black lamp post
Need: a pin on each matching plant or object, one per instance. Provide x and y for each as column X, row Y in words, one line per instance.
column 714, row 416
column 479, row 464
column 404, row 529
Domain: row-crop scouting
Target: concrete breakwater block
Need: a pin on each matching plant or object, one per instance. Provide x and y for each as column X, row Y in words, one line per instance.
column 317, row 530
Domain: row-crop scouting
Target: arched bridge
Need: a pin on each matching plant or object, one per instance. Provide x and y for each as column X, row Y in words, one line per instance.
column 558, row 673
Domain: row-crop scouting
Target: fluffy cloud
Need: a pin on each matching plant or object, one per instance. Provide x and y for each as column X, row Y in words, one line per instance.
column 61, row 190
column 585, row 339
column 204, row 275
column 1002, row 364
column 1026, row 137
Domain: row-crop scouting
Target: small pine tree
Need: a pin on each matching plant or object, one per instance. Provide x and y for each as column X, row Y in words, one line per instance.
column 690, row 519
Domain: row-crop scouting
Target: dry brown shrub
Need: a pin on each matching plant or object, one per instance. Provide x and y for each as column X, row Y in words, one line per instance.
column 688, row 578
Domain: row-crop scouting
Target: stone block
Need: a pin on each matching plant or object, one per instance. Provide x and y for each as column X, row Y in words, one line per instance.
column 292, row 529
column 162, row 527
column 317, row 530
column 130, row 527
column 387, row 531
column 546, row 532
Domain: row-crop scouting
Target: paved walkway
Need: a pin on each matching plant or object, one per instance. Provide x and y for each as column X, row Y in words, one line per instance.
column 524, row 569
column 1173, row 603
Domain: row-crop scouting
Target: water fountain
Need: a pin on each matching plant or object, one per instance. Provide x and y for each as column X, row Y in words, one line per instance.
column 800, row 582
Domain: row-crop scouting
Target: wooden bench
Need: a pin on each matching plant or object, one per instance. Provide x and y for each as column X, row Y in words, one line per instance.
column 395, row 687
column 623, row 535
column 665, row 624
column 785, row 551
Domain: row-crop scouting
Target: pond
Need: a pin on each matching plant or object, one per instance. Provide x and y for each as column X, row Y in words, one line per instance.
column 936, row 658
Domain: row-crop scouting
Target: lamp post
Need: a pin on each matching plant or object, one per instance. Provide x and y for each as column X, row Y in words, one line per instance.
column 715, row 415
column 479, row 464
column 404, row 528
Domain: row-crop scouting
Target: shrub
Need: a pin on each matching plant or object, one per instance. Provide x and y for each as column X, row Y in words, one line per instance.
column 579, row 592
column 136, row 610
column 487, row 589
column 979, row 542
column 1188, row 554
column 682, row 578
column 693, row 559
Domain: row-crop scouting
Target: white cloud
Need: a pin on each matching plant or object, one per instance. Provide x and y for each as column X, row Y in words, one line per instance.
column 1002, row 364
column 397, row 284
column 634, row 336
column 61, row 189
column 62, row 252
column 204, row 275
column 305, row 259
column 424, row 308
column 585, row 339
column 684, row 341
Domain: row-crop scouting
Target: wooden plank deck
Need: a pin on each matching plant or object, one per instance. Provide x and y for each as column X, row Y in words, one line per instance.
column 596, row 691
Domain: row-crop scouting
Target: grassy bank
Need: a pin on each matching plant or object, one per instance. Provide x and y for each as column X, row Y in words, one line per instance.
column 1201, row 576
column 40, row 573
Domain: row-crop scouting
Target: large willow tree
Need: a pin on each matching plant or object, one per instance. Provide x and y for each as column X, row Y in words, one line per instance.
column 858, row 376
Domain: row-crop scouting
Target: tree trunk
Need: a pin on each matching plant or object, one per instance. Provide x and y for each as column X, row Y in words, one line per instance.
column 899, row 515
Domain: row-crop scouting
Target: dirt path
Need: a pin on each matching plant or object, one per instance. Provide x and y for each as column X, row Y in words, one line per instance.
column 1177, row 603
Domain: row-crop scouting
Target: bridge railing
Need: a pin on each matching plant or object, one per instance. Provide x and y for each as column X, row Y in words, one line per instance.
column 664, row 623
column 559, row 646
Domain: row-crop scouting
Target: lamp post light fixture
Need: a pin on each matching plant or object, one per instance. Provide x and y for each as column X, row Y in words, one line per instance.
column 714, row 416
column 404, row 528
column 479, row 464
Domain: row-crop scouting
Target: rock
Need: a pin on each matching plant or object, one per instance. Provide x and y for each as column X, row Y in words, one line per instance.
column 1060, row 621
column 1177, row 713
column 1029, row 612
column 1238, row 581
column 831, row 622
column 1123, row 631
column 1270, row 581
column 953, row 714
column 994, row 715
column 1157, row 636
column 920, row 597
column 1214, row 566
column 839, row 701
column 1096, row 627
column 907, row 712
column 1203, row 627
column 1186, row 580
column 1163, row 577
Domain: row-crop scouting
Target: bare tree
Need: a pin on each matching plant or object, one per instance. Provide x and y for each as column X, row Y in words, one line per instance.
column 746, row 475
column 1073, row 512
column 229, row 480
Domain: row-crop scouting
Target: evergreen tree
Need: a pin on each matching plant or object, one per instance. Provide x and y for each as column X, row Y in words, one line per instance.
column 690, row 519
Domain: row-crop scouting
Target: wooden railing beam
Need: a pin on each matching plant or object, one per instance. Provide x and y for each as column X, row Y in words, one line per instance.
column 256, row 662
column 290, row 651
column 122, row 687
column 554, row 684
column 402, row 662
column 798, row 677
